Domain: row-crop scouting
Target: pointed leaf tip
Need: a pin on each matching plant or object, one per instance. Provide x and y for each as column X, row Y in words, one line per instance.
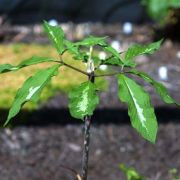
column 31, row 90
column 159, row 87
column 137, row 50
column 28, row 62
column 141, row 112
column 56, row 35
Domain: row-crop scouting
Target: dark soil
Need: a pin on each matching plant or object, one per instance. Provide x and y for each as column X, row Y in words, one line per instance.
column 44, row 140
column 37, row 153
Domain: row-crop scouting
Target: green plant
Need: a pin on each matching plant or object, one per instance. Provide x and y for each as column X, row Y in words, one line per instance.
column 131, row 173
column 174, row 174
column 84, row 98
column 161, row 10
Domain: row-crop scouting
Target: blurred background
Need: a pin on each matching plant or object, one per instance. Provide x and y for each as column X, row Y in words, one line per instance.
column 44, row 136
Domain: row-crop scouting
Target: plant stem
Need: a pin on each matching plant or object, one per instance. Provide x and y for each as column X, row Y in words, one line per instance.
column 87, row 125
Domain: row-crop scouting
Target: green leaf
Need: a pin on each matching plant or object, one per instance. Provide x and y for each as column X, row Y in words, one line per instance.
column 141, row 112
column 158, row 10
column 117, row 62
column 91, row 41
column 115, row 59
column 75, row 51
column 31, row 90
column 112, row 61
column 131, row 173
column 137, row 50
column 83, row 100
column 111, row 50
column 159, row 87
column 31, row 61
column 71, row 47
column 6, row 68
column 56, row 35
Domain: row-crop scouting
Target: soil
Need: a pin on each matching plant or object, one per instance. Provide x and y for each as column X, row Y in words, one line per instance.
column 44, row 140
column 37, row 153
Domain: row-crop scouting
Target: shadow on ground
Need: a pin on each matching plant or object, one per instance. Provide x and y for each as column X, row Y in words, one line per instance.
column 45, row 117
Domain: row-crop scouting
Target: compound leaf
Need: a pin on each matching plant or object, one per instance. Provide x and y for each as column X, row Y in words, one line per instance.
column 31, row 61
column 141, row 112
column 159, row 87
column 83, row 100
column 56, row 35
column 31, row 90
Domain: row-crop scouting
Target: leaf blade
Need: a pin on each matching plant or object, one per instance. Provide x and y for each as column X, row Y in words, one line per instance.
column 140, row 111
column 56, row 35
column 91, row 41
column 137, row 50
column 159, row 87
column 31, row 90
column 83, row 100
column 28, row 62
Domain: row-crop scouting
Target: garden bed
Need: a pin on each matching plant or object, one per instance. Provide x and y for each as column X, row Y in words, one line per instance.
column 47, row 138
column 38, row 152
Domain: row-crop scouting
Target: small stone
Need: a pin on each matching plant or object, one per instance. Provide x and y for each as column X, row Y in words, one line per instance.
column 74, row 147
column 102, row 55
column 127, row 28
column 116, row 45
column 13, row 145
column 25, row 136
column 168, row 43
column 53, row 22
column 178, row 54
column 122, row 149
column 103, row 67
column 163, row 73
column 98, row 152
column 8, row 131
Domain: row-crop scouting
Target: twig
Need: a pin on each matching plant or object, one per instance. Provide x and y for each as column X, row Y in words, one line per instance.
column 78, row 177
column 110, row 74
column 72, row 67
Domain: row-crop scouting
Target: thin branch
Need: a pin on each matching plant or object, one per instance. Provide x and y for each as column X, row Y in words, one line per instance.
column 110, row 74
column 78, row 177
column 72, row 67
column 102, row 61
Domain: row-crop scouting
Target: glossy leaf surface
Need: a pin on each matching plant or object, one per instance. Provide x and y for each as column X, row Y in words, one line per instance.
column 159, row 87
column 137, row 50
column 112, row 61
column 83, row 100
column 91, row 41
column 141, row 112
column 31, row 90
column 56, row 35
column 28, row 62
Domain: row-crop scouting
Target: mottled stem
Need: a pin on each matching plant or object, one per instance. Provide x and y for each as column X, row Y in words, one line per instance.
column 87, row 125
